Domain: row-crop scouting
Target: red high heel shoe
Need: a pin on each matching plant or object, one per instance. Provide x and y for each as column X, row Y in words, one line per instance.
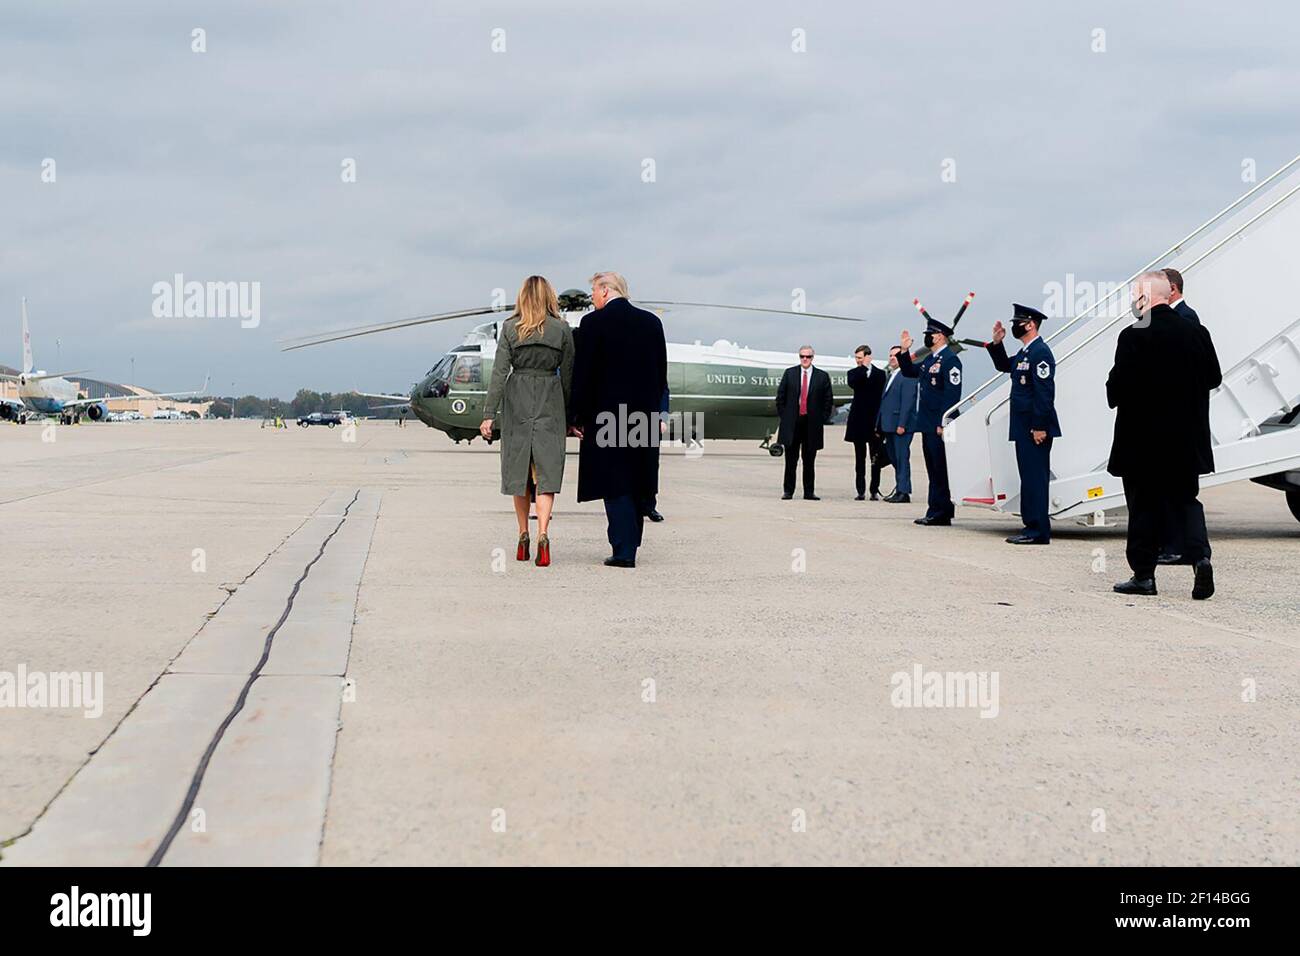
column 543, row 552
column 521, row 553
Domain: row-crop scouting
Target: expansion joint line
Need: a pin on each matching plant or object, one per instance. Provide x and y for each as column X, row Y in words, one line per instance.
column 197, row 780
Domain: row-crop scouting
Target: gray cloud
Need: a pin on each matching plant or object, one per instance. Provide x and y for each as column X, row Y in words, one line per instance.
column 776, row 170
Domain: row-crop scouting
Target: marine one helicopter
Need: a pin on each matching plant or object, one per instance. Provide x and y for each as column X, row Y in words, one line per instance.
column 722, row 390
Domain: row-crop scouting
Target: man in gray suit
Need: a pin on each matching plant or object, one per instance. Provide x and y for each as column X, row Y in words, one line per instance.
column 897, row 423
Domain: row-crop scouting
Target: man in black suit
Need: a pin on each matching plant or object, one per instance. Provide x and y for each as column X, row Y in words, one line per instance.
column 1172, row 541
column 1164, row 367
column 868, row 384
column 803, row 403
column 620, row 375
column 1176, row 300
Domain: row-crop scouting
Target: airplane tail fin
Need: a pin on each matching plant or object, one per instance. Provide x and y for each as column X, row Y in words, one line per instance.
column 27, row 342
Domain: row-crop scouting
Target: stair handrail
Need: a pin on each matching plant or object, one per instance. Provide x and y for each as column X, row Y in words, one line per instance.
column 1090, row 312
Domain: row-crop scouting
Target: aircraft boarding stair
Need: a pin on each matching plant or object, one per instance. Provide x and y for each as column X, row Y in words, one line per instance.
column 1236, row 267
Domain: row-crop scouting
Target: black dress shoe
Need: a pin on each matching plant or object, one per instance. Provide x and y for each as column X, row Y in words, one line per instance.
column 1204, row 586
column 787, row 496
column 811, row 498
column 859, row 497
column 654, row 515
column 934, row 522
column 1134, row 586
column 1168, row 557
column 619, row 563
column 1026, row 539
column 897, row 499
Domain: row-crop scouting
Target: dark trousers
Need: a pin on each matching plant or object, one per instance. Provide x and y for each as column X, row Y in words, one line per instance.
column 1150, row 501
column 625, row 523
column 1173, row 530
column 1035, row 465
column 936, row 467
column 799, row 448
column 900, row 456
column 879, row 458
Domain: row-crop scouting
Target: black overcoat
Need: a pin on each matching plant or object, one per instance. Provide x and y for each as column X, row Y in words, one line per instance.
column 619, row 379
column 1164, row 369
column 868, row 384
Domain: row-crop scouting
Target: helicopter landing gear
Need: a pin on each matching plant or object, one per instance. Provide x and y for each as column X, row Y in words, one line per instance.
column 776, row 451
column 1293, row 501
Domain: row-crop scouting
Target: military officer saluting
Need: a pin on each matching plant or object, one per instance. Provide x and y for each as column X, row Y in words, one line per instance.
column 1033, row 417
column 940, row 389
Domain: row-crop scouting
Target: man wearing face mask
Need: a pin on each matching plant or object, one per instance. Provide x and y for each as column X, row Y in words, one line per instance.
column 1033, row 417
column 1164, row 366
column 940, row 389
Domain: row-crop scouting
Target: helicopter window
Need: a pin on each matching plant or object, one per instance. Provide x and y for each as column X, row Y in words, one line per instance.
column 469, row 370
column 443, row 368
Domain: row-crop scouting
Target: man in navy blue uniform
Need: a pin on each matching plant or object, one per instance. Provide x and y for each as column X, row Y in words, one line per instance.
column 1033, row 416
column 940, row 389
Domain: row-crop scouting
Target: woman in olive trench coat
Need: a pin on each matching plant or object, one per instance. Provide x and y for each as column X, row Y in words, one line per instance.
column 531, row 377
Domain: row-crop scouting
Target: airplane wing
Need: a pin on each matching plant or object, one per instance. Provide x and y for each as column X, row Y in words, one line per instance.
column 138, row 398
column 4, row 376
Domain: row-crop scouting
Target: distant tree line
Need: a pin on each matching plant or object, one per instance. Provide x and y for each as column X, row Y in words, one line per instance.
column 304, row 403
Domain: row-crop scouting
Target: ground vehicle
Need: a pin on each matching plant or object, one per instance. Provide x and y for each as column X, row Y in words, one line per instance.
column 322, row 418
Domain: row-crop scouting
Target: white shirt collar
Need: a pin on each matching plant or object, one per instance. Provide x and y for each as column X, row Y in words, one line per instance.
column 939, row 349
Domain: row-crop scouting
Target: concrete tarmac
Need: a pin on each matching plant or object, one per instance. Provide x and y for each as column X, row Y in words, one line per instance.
column 317, row 650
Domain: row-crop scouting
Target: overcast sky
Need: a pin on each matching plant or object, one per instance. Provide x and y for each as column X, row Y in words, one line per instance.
column 774, row 169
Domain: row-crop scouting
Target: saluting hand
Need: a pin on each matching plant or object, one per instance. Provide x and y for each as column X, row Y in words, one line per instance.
column 999, row 331
column 905, row 341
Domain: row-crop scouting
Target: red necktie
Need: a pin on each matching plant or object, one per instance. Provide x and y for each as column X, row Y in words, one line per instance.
column 803, row 394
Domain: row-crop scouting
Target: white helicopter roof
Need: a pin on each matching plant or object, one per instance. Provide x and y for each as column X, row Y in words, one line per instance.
column 721, row 352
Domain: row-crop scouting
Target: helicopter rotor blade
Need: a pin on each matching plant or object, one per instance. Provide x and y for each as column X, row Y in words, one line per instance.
column 962, row 311
column 920, row 308
column 751, row 308
column 320, row 338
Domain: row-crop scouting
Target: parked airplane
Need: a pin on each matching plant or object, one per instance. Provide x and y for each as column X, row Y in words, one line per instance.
column 731, row 389
column 51, row 393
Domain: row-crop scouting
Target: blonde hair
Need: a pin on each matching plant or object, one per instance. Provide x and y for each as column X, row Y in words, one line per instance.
column 610, row 280
column 535, row 302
